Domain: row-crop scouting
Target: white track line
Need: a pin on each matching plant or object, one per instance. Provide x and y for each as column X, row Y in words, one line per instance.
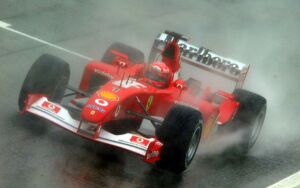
column 292, row 181
column 7, row 27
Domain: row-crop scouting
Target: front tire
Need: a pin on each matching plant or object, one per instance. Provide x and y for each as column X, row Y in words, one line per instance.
column 48, row 75
column 180, row 134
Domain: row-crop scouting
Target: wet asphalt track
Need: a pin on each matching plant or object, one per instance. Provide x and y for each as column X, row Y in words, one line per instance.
column 264, row 34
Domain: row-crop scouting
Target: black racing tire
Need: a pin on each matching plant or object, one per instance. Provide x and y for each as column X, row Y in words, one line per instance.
column 48, row 75
column 135, row 56
column 248, row 121
column 180, row 134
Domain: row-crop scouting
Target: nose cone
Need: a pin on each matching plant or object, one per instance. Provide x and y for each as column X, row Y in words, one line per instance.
column 99, row 106
column 93, row 112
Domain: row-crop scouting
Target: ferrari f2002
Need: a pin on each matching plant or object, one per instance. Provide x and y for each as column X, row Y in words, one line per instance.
column 121, row 90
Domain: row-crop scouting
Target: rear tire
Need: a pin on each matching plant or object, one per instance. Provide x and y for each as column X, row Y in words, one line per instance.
column 248, row 121
column 48, row 75
column 134, row 55
column 180, row 134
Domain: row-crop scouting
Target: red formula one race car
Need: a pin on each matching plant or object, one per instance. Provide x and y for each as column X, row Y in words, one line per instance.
column 119, row 91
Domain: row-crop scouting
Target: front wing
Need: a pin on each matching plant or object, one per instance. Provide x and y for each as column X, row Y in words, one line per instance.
column 149, row 148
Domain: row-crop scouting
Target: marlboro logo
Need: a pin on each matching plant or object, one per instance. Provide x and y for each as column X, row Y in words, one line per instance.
column 204, row 56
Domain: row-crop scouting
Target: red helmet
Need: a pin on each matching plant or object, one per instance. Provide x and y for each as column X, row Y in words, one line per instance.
column 159, row 75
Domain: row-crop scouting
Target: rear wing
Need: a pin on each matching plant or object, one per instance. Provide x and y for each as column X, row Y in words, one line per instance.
column 202, row 58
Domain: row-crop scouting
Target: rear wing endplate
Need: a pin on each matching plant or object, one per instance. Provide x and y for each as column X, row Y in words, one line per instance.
column 202, row 57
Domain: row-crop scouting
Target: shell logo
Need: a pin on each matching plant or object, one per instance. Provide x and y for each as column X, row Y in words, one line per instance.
column 108, row 95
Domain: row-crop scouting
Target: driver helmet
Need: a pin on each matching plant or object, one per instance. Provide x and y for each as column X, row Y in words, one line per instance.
column 158, row 74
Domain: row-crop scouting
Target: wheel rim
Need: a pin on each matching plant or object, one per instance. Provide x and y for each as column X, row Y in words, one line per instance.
column 193, row 145
column 257, row 125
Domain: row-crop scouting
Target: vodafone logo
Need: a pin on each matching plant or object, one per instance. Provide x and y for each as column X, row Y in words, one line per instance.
column 139, row 140
column 52, row 107
column 101, row 102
